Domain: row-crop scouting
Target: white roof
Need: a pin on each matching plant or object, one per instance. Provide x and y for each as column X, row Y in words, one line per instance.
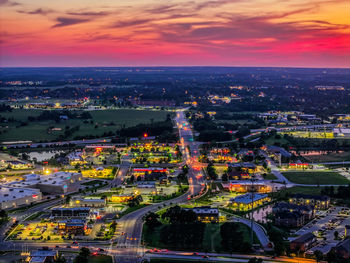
column 13, row 193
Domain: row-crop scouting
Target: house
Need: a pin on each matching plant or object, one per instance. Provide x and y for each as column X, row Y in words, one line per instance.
column 289, row 219
column 303, row 242
column 343, row 248
column 207, row 214
column 319, row 202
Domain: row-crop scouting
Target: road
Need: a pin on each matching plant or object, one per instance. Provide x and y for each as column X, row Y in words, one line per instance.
column 128, row 248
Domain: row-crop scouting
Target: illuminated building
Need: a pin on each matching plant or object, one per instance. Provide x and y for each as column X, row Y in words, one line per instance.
column 244, row 186
column 73, row 226
column 248, row 201
column 121, row 198
column 87, row 202
column 207, row 214
column 317, row 201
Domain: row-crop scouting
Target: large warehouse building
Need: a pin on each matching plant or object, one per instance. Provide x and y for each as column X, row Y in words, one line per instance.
column 13, row 197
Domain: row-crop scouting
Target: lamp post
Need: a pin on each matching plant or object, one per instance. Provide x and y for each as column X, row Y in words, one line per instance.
column 252, row 219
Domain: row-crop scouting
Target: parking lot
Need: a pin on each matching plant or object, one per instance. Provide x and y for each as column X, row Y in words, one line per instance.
column 325, row 225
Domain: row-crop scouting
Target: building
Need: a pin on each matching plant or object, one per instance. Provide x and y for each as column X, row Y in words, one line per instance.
column 44, row 255
column 306, row 210
column 56, row 183
column 341, row 132
column 207, row 214
column 303, row 242
column 245, row 186
column 289, row 219
column 13, row 197
column 121, row 198
column 73, row 226
column 276, row 151
column 317, row 201
column 249, row 201
column 75, row 158
column 74, row 212
column 343, row 249
column 245, row 167
column 87, row 202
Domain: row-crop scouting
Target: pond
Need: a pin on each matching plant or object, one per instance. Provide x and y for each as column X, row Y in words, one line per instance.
column 261, row 213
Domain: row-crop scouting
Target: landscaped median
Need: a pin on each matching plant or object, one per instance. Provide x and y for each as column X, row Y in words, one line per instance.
column 316, row 178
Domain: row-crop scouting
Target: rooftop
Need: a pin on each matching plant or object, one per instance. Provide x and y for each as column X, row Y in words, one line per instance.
column 13, row 193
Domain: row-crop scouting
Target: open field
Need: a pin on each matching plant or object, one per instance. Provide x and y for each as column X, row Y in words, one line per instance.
column 211, row 240
column 319, row 177
column 327, row 157
column 103, row 121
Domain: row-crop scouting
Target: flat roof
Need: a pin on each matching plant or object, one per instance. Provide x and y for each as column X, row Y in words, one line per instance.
column 13, row 193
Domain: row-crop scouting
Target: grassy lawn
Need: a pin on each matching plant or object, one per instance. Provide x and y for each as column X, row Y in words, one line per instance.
column 106, row 120
column 272, row 140
column 93, row 182
column 320, row 177
column 270, row 176
column 100, row 259
column 330, row 157
column 211, row 240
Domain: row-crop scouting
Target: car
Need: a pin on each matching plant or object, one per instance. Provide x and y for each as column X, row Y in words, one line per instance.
column 57, row 246
column 101, row 249
column 194, row 254
column 205, row 256
column 68, row 246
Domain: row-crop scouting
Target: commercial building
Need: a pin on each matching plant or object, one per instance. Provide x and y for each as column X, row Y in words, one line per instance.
column 245, row 167
column 74, row 212
column 303, row 242
column 13, row 197
column 244, row 186
column 249, row 201
column 56, row 183
column 73, row 226
column 43, row 256
column 207, row 214
column 341, row 132
column 87, row 202
column 317, row 201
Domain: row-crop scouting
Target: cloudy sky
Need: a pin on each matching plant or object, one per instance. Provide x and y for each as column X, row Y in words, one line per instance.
column 297, row 33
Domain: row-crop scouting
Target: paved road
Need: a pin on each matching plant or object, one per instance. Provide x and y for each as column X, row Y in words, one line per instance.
column 260, row 232
column 128, row 249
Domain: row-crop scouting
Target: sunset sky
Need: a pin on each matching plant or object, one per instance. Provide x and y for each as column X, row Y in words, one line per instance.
column 297, row 33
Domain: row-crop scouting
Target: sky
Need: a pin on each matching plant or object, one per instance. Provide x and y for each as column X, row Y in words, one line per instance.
column 69, row 33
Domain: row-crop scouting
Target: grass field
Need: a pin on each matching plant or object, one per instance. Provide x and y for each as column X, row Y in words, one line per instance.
column 211, row 240
column 104, row 120
column 319, row 177
column 328, row 157
column 100, row 259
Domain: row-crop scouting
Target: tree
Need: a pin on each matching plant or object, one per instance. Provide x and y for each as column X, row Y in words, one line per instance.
column 83, row 255
column 151, row 220
column 336, row 234
column 319, row 255
column 60, row 259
